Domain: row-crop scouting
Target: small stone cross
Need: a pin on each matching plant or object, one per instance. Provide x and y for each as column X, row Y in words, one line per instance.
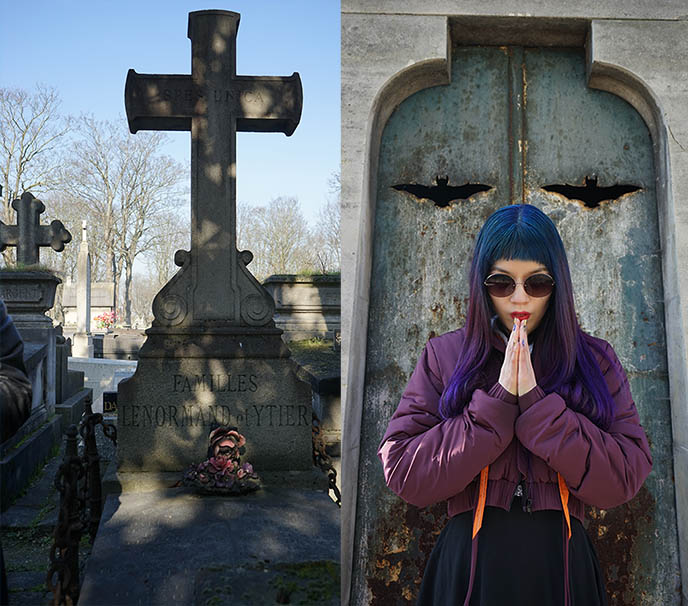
column 213, row 103
column 28, row 235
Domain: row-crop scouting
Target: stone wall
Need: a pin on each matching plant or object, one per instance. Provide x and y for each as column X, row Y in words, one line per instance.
column 306, row 306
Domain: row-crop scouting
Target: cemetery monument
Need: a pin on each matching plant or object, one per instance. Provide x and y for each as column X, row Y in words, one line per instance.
column 58, row 396
column 213, row 353
column 82, row 341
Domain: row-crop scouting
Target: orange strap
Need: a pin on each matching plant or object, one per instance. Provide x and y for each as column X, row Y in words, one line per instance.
column 564, row 494
column 482, row 496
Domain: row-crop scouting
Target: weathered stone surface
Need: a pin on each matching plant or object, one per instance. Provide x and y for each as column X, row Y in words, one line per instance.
column 28, row 293
column 83, row 286
column 213, row 284
column 165, row 412
column 306, row 306
column 410, row 53
column 604, row 9
column 136, row 558
column 122, row 345
column 102, row 298
column 652, row 76
column 213, row 354
column 29, row 235
column 82, row 341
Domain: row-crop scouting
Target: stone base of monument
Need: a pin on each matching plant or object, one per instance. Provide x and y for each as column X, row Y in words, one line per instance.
column 175, row 547
column 185, row 384
column 72, row 408
column 82, row 345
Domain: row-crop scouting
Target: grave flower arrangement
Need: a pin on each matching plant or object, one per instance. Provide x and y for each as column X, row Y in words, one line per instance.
column 223, row 472
column 105, row 320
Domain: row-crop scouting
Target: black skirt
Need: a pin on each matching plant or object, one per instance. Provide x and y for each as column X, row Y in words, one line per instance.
column 520, row 562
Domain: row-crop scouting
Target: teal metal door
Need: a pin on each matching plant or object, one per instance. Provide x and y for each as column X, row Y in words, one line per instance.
column 516, row 125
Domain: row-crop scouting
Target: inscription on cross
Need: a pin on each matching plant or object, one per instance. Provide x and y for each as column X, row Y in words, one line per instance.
column 213, row 103
column 28, row 235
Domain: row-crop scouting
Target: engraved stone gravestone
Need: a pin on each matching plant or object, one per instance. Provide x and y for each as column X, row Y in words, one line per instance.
column 213, row 353
column 29, row 291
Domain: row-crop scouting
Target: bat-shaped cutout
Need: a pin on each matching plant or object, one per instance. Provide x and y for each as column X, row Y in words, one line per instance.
column 442, row 194
column 590, row 194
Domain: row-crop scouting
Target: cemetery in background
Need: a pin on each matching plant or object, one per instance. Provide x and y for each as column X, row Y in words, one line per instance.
column 134, row 200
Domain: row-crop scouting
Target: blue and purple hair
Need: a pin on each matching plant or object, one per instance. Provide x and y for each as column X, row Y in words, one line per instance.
column 524, row 232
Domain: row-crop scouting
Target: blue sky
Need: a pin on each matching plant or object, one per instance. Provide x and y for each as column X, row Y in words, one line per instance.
column 84, row 50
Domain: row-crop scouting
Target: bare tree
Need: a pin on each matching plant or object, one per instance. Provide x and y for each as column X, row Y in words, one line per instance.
column 280, row 238
column 124, row 185
column 93, row 180
column 169, row 234
column 246, row 226
column 31, row 135
column 152, row 187
column 326, row 241
column 144, row 288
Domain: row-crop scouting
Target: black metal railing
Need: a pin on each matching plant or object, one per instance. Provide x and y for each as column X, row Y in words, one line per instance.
column 323, row 461
column 81, row 504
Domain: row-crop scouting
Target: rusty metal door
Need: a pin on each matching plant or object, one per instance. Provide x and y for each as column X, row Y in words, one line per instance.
column 516, row 125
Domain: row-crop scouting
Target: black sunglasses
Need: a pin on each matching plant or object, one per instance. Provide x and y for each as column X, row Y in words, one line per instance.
column 501, row 285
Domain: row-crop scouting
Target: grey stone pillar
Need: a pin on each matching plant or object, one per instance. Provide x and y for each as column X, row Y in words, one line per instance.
column 82, row 341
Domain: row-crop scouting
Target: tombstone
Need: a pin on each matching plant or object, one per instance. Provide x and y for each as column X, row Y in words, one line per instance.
column 213, row 353
column 306, row 306
column 29, row 292
column 82, row 341
column 509, row 106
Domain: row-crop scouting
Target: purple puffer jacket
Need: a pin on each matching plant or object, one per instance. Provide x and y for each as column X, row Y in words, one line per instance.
column 535, row 436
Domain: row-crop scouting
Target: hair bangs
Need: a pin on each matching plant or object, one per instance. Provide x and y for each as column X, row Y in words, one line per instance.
column 521, row 243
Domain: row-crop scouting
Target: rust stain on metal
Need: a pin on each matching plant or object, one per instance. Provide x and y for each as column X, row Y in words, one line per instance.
column 437, row 310
column 404, row 539
column 614, row 533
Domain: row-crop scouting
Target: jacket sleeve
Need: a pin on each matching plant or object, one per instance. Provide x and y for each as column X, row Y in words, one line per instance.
column 427, row 459
column 15, row 388
column 601, row 468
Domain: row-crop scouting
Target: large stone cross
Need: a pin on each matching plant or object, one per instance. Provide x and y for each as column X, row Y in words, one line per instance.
column 28, row 235
column 213, row 103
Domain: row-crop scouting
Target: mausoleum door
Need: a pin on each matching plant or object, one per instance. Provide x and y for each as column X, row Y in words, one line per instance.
column 523, row 123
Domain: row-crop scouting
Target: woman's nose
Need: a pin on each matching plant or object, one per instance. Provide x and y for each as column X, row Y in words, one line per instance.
column 519, row 294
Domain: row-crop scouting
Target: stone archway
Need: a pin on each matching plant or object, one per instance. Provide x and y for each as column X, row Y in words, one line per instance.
column 429, row 258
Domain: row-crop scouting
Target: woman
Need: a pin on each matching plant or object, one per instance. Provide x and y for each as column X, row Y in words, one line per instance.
column 518, row 420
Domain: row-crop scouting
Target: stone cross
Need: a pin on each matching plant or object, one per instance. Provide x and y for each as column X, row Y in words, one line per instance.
column 28, row 235
column 213, row 103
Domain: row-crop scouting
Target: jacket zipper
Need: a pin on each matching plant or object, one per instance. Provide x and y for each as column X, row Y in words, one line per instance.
column 525, row 498
column 527, row 503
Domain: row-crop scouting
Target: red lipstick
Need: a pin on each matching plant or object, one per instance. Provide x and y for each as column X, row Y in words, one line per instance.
column 521, row 315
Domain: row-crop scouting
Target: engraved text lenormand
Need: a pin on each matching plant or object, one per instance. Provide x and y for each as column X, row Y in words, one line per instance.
column 190, row 415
